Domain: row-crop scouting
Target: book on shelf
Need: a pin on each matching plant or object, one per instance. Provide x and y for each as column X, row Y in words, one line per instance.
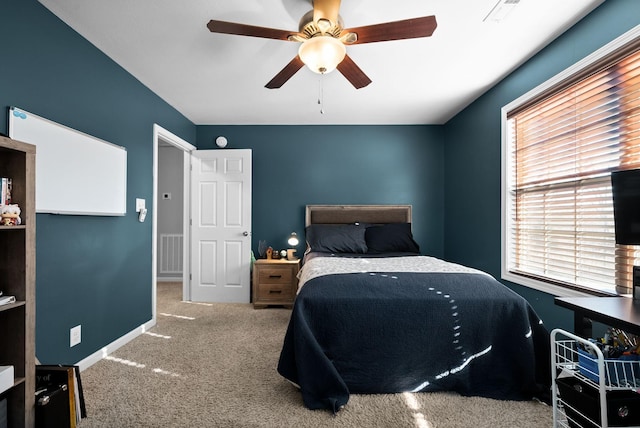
column 7, row 187
column 52, row 377
column 5, row 300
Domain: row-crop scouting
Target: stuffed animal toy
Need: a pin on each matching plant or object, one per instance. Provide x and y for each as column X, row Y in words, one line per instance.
column 10, row 215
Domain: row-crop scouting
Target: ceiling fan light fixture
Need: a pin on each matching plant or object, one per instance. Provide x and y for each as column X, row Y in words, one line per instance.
column 322, row 54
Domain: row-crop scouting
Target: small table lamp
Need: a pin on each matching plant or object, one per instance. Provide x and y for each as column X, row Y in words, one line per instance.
column 293, row 241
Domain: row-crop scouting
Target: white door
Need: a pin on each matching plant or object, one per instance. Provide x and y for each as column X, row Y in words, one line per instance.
column 220, row 225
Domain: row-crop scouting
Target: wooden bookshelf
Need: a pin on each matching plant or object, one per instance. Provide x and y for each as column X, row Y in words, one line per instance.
column 17, row 278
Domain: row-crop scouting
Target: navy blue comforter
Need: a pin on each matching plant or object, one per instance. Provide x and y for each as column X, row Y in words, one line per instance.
column 397, row 332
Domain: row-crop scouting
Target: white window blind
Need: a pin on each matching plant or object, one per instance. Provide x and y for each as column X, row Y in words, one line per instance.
column 562, row 147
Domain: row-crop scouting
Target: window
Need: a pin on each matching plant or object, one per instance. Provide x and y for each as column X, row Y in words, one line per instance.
column 561, row 143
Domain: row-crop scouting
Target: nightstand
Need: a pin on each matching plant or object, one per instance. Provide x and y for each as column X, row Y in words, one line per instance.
column 275, row 282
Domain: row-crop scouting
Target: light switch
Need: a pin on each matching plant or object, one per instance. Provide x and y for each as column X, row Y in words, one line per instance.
column 140, row 204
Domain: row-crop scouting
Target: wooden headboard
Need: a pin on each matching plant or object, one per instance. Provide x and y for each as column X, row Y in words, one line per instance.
column 349, row 214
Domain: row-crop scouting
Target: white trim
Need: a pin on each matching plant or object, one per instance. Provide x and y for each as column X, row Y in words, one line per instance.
column 186, row 228
column 607, row 49
column 113, row 346
column 555, row 290
column 504, row 200
column 169, row 137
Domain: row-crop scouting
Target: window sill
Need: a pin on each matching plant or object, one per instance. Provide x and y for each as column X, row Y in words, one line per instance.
column 553, row 289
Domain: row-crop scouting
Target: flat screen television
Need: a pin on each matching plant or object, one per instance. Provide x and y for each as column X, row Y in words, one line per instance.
column 625, row 186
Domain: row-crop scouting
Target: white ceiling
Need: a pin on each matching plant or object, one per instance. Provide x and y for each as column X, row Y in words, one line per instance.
column 219, row 79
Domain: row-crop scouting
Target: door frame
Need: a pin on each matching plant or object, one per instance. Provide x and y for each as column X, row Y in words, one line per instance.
column 159, row 133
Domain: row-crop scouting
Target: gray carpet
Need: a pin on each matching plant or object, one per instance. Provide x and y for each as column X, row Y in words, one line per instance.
column 215, row 366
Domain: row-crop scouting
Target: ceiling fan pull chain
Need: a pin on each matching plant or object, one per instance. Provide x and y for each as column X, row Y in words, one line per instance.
column 321, row 94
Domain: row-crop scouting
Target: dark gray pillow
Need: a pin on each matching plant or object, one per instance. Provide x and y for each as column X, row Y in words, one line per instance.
column 336, row 238
column 391, row 238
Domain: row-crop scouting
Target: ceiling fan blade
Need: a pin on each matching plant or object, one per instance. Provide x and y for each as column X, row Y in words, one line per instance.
column 225, row 27
column 396, row 30
column 285, row 74
column 326, row 9
column 353, row 73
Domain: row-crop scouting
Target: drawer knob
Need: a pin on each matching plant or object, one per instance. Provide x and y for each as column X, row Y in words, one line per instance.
column 275, row 291
column 275, row 276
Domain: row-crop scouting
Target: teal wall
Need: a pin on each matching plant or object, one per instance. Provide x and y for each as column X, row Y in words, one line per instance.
column 93, row 271
column 473, row 149
column 298, row 165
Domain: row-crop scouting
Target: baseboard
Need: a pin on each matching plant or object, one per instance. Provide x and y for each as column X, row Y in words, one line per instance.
column 113, row 346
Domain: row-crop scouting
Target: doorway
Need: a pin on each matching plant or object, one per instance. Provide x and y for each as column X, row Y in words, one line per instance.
column 171, row 160
column 169, row 226
column 227, row 269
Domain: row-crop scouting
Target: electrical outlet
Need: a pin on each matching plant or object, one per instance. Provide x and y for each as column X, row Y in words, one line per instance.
column 75, row 336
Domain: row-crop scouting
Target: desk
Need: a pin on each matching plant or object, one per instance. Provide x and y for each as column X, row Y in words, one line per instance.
column 618, row 312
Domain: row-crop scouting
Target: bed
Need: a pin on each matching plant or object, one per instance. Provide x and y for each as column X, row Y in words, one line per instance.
column 374, row 316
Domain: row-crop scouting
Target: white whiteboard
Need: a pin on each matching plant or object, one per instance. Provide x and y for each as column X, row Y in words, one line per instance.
column 75, row 172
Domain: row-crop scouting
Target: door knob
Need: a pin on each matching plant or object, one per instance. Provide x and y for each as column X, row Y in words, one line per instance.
column 245, row 233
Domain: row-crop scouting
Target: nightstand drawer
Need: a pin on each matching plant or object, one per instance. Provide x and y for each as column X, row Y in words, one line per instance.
column 275, row 275
column 275, row 282
column 275, row 292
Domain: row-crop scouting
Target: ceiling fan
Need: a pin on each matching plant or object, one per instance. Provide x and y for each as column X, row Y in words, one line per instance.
column 324, row 40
